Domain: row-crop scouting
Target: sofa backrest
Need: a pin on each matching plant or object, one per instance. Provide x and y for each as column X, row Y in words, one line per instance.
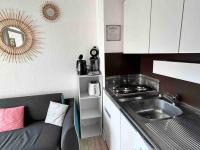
column 35, row 106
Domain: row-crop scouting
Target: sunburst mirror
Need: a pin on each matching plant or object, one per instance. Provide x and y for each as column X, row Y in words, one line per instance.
column 19, row 41
column 50, row 11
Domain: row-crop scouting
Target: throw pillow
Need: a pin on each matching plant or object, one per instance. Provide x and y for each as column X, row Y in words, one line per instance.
column 56, row 113
column 11, row 118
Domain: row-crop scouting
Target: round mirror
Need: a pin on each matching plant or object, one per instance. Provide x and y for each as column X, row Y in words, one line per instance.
column 50, row 11
column 19, row 41
column 12, row 36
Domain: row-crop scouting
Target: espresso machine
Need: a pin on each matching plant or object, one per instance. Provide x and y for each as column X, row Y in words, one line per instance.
column 94, row 61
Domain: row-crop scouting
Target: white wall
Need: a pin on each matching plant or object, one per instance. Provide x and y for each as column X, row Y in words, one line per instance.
column 113, row 14
column 53, row 70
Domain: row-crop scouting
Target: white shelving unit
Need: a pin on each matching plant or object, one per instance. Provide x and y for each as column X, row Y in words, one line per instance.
column 90, row 113
column 86, row 96
column 91, row 127
column 90, row 107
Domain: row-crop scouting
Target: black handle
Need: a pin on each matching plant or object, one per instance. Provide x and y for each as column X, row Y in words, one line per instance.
column 107, row 113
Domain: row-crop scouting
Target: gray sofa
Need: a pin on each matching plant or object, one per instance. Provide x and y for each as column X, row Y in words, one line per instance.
column 38, row 135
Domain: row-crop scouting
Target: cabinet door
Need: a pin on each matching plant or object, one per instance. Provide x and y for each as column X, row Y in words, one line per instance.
column 130, row 138
column 106, row 125
column 111, row 122
column 190, row 36
column 166, row 19
column 136, row 26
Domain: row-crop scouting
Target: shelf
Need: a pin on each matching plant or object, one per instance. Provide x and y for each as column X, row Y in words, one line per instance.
column 91, row 130
column 89, row 76
column 85, row 95
column 90, row 113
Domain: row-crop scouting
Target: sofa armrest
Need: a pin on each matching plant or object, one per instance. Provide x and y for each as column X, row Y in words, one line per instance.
column 69, row 140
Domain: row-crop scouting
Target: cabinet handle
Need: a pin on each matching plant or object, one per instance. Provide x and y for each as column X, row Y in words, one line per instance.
column 107, row 113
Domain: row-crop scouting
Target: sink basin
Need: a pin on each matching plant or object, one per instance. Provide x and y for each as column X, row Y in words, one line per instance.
column 155, row 109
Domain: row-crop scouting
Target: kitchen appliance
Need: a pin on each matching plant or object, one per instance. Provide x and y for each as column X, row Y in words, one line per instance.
column 94, row 61
column 132, row 86
column 128, row 89
column 94, row 88
column 81, row 66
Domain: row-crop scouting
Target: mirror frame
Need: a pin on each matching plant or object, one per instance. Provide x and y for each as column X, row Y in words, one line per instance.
column 29, row 48
column 53, row 6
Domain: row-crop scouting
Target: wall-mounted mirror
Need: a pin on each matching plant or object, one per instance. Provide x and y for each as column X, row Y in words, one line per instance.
column 50, row 11
column 12, row 36
column 18, row 38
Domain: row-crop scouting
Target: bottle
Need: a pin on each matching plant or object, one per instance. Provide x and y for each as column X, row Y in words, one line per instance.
column 81, row 66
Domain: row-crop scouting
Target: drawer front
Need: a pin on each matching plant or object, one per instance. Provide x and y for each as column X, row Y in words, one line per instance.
column 130, row 137
column 111, row 109
column 106, row 127
column 111, row 123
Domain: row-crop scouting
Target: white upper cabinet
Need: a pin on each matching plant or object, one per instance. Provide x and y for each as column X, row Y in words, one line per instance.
column 136, row 26
column 190, row 37
column 165, row 29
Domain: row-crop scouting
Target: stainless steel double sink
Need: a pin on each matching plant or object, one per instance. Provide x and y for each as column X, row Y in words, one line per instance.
column 154, row 109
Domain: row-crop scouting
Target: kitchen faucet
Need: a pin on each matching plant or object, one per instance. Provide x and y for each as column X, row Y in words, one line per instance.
column 173, row 99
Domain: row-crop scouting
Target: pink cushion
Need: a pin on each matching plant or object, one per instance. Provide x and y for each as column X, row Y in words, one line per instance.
column 11, row 118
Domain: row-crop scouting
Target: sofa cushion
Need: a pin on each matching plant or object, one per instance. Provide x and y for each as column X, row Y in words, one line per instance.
column 56, row 113
column 11, row 118
column 37, row 136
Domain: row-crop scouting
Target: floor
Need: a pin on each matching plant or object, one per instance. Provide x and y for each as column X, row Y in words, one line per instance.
column 94, row 143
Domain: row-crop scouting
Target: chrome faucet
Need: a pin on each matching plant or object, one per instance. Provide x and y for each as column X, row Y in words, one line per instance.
column 173, row 99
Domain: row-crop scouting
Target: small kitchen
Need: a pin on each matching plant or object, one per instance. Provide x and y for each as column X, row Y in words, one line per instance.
column 152, row 83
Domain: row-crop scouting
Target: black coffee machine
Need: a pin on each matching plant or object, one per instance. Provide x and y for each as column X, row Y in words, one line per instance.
column 94, row 61
column 81, row 66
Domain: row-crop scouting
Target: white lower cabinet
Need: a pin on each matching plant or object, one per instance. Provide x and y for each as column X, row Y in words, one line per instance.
column 118, row 132
column 111, row 123
column 130, row 138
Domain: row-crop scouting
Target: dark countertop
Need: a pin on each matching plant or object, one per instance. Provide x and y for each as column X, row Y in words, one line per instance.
column 182, row 132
